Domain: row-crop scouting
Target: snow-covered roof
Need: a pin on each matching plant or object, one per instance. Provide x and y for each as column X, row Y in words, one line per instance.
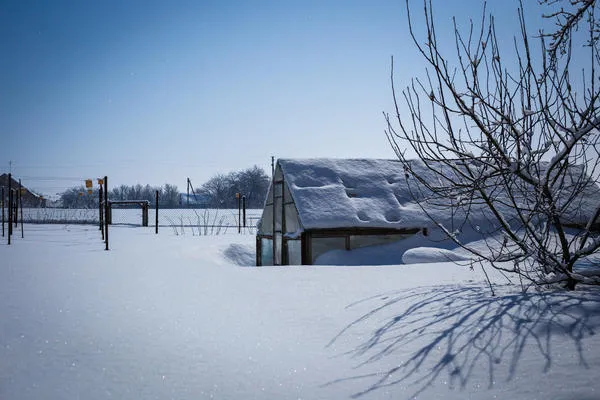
column 374, row 193
column 346, row 193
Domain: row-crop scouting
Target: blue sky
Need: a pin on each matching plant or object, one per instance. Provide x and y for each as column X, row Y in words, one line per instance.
column 158, row 91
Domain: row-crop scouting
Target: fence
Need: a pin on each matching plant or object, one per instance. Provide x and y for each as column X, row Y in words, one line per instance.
column 61, row 215
column 202, row 220
column 90, row 209
column 208, row 221
column 197, row 221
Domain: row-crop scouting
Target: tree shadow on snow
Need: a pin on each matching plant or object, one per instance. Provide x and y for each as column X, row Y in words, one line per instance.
column 456, row 330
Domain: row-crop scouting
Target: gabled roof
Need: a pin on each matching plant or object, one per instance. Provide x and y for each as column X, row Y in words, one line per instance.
column 372, row 193
column 28, row 196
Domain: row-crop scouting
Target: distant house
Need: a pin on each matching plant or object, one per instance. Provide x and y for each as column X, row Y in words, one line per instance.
column 315, row 206
column 29, row 199
column 197, row 200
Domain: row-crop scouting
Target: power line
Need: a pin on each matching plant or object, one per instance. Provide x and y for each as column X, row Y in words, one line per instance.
column 53, row 178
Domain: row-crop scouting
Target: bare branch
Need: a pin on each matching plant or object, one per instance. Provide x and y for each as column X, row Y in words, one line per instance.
column 508, row 151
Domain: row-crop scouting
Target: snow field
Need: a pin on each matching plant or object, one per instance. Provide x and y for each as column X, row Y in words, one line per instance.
column 165, row 316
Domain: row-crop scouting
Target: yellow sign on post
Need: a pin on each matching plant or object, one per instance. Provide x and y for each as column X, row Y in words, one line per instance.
column 100, row 181
column 88, row 183
column 89, row 191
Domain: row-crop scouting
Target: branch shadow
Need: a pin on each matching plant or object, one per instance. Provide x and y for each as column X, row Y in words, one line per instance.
column 460, row 329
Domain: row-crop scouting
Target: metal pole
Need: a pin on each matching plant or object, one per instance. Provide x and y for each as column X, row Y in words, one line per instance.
column 156, row 220
column 145, row 207
column 100, row 206
column 106, row 208
column 16, row 199
column 188, row 193
column 3, row 201
column 10, row 205
column 10, row 214
column 21, row 207
column 239, row 213
column 244, row 209
column 272, row 166
column 100, row 211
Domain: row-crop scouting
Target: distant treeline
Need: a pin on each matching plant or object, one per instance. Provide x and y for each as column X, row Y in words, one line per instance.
column 78, row 197
column 218, row 192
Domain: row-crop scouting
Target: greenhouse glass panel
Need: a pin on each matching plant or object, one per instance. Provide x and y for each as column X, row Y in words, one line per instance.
column 358, row 241
column 322, row 245
column 294, row 252
column 266, row 251
column 278, row 245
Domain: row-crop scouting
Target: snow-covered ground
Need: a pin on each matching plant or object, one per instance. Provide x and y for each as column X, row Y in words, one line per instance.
column 185, row 317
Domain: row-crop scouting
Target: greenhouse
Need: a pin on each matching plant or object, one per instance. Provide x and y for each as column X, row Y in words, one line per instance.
column 315, row 206
column 332, row 211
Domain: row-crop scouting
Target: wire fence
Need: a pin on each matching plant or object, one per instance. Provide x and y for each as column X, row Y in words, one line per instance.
column 79, row 204
column 61, row 216
column 211, row 221
column 197, row 221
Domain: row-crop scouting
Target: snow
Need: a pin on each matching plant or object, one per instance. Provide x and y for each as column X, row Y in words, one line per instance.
column 435, row 247
column 372, row 193
column 431, row 255
column 186, row 317
column 345, row 193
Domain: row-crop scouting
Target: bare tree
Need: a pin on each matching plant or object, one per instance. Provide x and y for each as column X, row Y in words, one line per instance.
column 252, row 183
column 78, row 197
column 568, row 15
column 170, row 195
column 516, row 143
column 217, row 188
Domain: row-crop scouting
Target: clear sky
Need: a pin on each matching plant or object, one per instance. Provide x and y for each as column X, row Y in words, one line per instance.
column 157, row 91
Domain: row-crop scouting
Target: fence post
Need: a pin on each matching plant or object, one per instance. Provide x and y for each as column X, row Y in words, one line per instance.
column 145, row 207
column 21, row 207
column 3, row 201
column 16, row 207
column 10, row 210
column 239, row 199
column 100, row 211
column 106, row 208
column 108, row 216
column 10, row 214
column 156, row 220
column 244, row 209
column 100, row 204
